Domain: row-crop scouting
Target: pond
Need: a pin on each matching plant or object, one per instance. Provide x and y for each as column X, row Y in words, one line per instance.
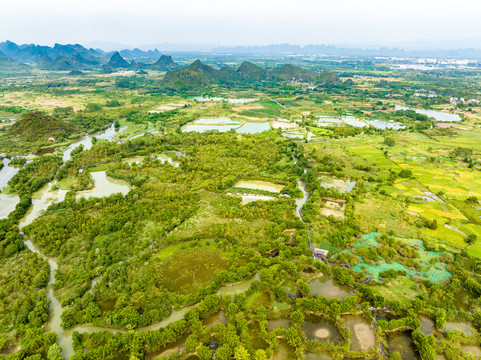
column 351, row 120
column 217, row 121
column 380, row 124
column 319, row 328
column 329, row 288
column 7, row 204
column 294, row 134
column 277, row 324
column 438, row 115
column 254, row 127
column 259, row 185
column 224, row 124
column 316, row 356
column 402, row 342
column 205, row 128
column 471, row 349
column 284, row 353
column 465, row 328
column 330, row 120
column 463, row 299
column 258, row 342
column 363, row 337
column 427, row 325
column 231, row 101
column 104, row 186
column 205, row 98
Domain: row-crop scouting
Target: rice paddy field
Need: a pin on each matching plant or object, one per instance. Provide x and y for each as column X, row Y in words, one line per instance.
column 438, row 186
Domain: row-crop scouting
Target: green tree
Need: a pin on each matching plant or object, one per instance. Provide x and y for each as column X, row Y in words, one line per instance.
column 54, row 352
column 241, row 353
column 471, row 238
column 406, row 173
column 389, row 141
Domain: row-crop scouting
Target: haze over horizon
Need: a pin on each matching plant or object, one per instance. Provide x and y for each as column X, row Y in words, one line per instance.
column 412, row 24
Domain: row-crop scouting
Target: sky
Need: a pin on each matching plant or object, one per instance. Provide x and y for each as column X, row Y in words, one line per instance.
column 407, row 23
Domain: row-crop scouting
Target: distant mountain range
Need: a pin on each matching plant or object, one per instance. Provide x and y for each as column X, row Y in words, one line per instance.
column 77, row 57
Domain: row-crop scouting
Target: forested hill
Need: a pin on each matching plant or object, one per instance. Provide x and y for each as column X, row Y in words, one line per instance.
column 39, row 127
column 198, row 74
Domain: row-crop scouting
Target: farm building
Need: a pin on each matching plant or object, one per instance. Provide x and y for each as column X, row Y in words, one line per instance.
column 319, row 253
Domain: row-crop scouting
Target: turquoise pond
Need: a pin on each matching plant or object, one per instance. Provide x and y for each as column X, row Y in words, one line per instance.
column 435, row 273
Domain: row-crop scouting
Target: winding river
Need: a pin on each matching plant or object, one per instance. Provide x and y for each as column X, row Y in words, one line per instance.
column 40, row 202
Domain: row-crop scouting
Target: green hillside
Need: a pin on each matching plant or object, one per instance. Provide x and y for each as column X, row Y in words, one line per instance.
column 39, row 127
column 289, row 72
column 251, row 72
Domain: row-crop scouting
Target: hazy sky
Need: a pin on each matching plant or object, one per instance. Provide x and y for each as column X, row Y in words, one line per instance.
column 240, row 22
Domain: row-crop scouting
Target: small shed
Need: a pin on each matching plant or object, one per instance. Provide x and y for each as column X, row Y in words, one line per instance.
column 319, row 253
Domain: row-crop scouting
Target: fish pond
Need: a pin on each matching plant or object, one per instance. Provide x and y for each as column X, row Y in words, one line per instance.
column 329, row 288
column 353, row 121
column 437, row 115
column 402, row 342
column 319, row 328
column 363, row 337
column 224, row 124
column 380, row 124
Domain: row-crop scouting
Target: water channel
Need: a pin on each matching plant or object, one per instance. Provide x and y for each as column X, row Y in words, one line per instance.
column 104, row 186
